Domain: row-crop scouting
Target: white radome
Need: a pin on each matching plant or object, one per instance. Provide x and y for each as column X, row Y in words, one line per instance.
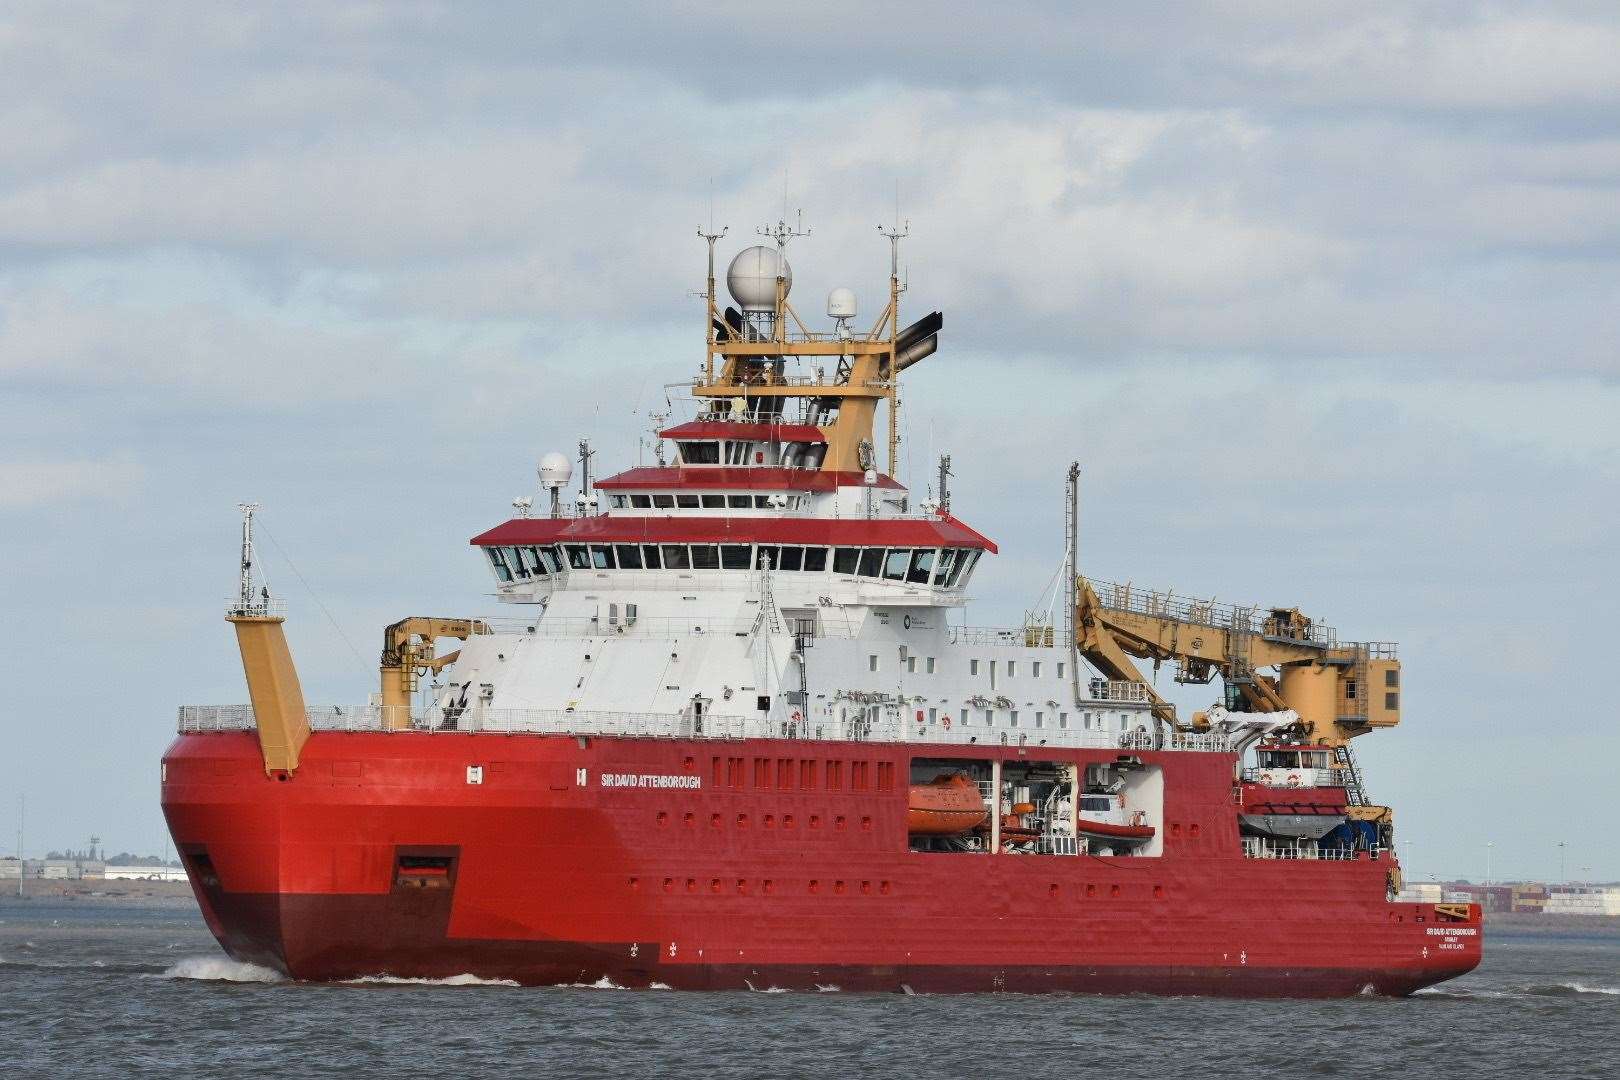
column 555, row 470
column 751, row 278
column 841, row 303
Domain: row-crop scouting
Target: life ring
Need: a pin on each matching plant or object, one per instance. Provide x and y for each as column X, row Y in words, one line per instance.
column 796, row 717
column 947, row 723
column 919, row 716
column 1293, row 780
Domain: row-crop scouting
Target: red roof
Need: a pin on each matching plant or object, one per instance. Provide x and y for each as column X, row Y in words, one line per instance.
column 727, row 429
column 737, row 477
column 860, row 532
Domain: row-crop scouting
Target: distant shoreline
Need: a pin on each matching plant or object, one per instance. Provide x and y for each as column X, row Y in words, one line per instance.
column 145, row 893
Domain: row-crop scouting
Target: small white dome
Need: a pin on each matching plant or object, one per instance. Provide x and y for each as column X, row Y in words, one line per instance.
column 841, row 303
column 751, row 278
column 555, row 470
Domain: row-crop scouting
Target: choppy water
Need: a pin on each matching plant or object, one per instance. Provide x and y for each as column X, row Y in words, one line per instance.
column 116, row 990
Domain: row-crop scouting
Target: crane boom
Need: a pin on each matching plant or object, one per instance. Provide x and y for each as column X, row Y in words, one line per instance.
column 1340, row 690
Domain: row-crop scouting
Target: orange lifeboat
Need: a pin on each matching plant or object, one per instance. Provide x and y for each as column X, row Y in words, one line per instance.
column 946, row 805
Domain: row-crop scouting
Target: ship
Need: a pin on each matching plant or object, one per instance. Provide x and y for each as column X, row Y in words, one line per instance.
column 734, row 734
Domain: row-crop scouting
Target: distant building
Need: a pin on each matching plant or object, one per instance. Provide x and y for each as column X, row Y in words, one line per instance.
column 1583, row 900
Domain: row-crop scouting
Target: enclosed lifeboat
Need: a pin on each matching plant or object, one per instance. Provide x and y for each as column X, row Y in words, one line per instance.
column 946, row 805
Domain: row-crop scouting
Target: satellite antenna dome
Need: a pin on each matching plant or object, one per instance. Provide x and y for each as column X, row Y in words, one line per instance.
column 841, row 303
column 555, row 471
column 751, row 278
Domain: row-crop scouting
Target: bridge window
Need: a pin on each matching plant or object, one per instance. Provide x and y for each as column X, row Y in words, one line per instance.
column 688, row 502
column 551, row 559
column 815, row 559
column 894, row 567
column 740, row 502
column 629, row 556
column 664, row 502
column 700, row 453
column 649, row 557
column 792, row 559
column 768, row 552
column 711, row 502
column 871, row 562
column 497, row 559
column 676, row 557
column 705, row 557
column 601, row 557
column 579, row 558
column 734, row 556
column 616, row 501
column 846, row 560
column 641, row 502
column 922, row 566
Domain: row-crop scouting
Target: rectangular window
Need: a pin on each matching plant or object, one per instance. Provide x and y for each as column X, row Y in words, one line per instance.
column 664, row 502
column 871, row 562
column 815, row 559
column 497, row 559
column 740, row 502
column 616, row 501
column 1392, row 701
column 734, row 771
column 1040, row 718
column 768, row 552
column 933, row 717
column 676, row 558
column 1063, row 720
column 911, row 665
column 579, row 557
column 858, row 774
column 1012, row 668
column 719, row 773
column 930, row 665
column 601, row 557
column 966, row 722
column 807, row 774
column 641, row 502
column 973, row 667
column 711, row 502
column 835, row 776
column 846, row 560
column 700, row 453
column 629, row 556
column 514, row 562
column 762, row 772
column 551, row 560
column 792, row 559
column 649, row 557
column 885, row 776
column 989, row 718
column 1392, row 678
column 784, row 773
column 705, row 557
column 762, row 502
column 688, row 502
column 922, row 566
column 1035, row 669
column 894, row 567
column 871, row 662
column 947, row 566
column 1012, row 718
column 734, row 556
column 1060, row 669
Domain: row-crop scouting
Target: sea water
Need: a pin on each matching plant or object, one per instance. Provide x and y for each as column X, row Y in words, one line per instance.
column 115, row 989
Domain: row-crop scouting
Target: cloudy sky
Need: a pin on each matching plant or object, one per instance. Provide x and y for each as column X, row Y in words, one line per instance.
column 1324, row 305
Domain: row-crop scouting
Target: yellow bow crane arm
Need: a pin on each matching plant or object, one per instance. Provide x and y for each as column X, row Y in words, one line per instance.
column 408, row 651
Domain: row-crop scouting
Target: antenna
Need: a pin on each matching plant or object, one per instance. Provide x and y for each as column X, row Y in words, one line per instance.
column 709, row 333
column 895, row 234
column 585, row 455
column 782, row 232
column 945, row 475
column 244, row 593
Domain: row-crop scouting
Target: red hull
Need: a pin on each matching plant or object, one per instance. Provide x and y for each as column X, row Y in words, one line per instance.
column 738, row 876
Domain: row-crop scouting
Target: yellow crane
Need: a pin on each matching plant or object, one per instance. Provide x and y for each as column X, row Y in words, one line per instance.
column 1338, row 689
